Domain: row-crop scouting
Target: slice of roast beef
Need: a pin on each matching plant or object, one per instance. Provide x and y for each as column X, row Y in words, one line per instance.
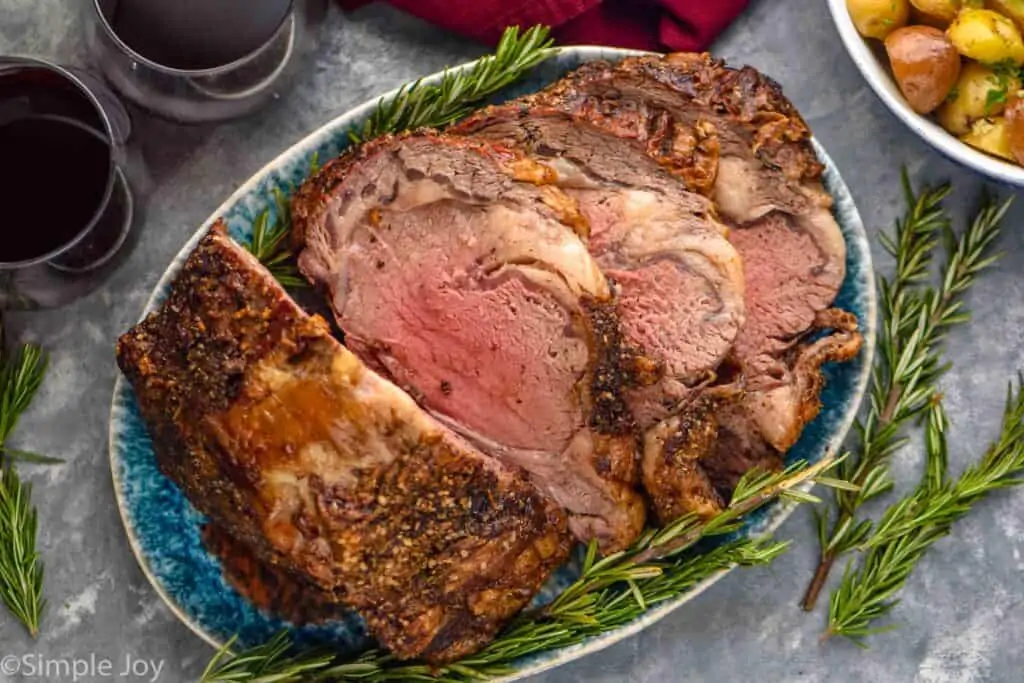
column 766, row 182
column 678, row 280
column 692, row 461
column 456, row 268
column 780, row 410
column 297, row 450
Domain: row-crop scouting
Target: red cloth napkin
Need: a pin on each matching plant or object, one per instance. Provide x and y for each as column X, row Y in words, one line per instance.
column 660, row 25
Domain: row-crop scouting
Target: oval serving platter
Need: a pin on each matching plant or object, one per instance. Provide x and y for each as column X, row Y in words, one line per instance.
column 164, row 530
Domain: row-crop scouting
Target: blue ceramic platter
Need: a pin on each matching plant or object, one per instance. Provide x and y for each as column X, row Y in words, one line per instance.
column 164, row 529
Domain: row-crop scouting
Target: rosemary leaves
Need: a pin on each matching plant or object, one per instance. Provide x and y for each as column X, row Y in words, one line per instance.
column 909, row 527
column 458, row 92
column 268, row 662
column 270, row 243
column 21, row 570
column 915, row 318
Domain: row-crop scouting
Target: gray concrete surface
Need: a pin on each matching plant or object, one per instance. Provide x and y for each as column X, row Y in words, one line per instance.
column 960, row 620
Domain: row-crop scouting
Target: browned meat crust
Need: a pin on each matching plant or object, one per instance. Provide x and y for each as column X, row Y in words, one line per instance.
column 798, row 401
column 693, row 460
column 693, row 109
column 436, row 545
column 673, row 472
column 270, row 587
column 526, row 124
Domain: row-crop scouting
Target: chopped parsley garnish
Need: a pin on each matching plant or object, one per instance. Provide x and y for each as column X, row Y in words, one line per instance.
column 1005, row 75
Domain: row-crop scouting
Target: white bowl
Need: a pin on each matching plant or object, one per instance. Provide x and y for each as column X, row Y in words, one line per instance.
column 876, row 72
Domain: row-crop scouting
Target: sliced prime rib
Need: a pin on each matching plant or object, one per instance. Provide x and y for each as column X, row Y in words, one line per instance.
column 693, row 460
column 731, row 134
column 456, row 268
column 678, row 280
column 295, row 448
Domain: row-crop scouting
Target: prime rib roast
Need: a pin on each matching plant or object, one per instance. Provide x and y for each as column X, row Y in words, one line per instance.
column 289, row 443
column 456, row 269
column 608, row 299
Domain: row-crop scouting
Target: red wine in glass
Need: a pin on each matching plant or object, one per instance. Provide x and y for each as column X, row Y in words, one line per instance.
column 68, row 207
column 53, row 180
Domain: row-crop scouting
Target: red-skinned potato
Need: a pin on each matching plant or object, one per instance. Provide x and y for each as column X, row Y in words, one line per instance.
column 1014, row 114
column 925, row 65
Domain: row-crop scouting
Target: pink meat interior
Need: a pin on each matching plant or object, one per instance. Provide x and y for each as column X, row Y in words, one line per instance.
column 482, row 345
column 666, row 309
column 783, row 292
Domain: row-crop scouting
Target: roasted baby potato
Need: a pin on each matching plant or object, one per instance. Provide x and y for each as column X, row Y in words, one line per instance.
column 991, row 136
column 925, row 65
column 937, row 12
column 919, row 18
column 1011, row 8
column 986, row 36
column 878, row 18
column 1014, row 116
column 979, row 92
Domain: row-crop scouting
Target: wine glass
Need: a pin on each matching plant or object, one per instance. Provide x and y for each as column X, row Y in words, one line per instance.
column 67, row 198
column 197, row 61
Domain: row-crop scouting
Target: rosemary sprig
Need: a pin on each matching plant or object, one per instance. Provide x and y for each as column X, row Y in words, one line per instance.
column 270, row 242
column 20, row 378
column 265, row 663
column 915, row 319
column 16, row 455
column 610, row 592
column 21, row 571
column 595, row 607
column 909, row 528
column 433, row 106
